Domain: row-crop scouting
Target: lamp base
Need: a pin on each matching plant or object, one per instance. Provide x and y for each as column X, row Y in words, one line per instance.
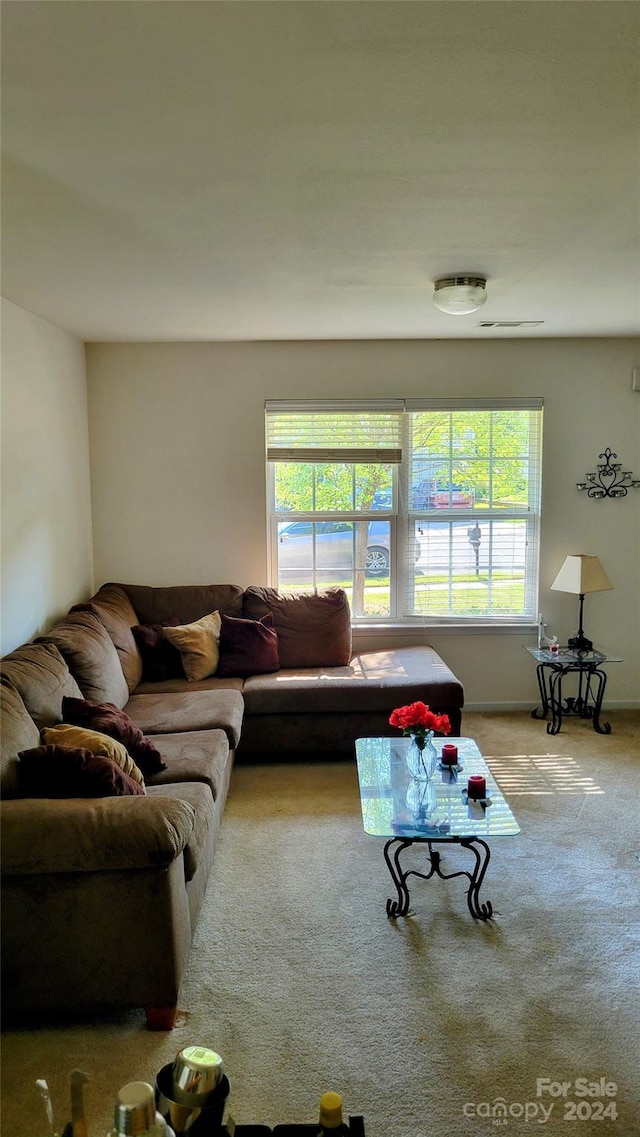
column 580, row 643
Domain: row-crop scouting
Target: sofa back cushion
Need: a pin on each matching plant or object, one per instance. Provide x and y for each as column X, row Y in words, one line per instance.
column 186, row 602
column 93, row 660
column 314, row 629
column 17, row 732
column 112, row 606
column 41, row 676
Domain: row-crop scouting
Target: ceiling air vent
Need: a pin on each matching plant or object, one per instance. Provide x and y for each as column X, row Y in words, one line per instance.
column 510, row 323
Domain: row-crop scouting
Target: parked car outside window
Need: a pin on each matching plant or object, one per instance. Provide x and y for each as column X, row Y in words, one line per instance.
column 435, row 495
column 334, row 544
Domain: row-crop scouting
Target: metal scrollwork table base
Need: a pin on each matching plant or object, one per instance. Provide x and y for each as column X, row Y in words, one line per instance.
column 479, row 848
column 553, row 668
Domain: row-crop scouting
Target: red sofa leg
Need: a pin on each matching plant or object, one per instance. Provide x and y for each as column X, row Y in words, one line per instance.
column 161, row 1018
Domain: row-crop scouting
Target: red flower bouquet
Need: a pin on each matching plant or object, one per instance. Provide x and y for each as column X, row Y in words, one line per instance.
column 416, row 719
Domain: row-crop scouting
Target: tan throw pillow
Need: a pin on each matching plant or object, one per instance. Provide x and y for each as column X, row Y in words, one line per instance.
column 198, row 644
column 78, row 736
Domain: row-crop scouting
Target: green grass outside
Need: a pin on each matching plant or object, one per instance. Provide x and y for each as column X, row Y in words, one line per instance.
column 436, row 595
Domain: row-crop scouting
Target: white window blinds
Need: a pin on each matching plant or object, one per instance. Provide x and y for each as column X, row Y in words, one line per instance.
column 334, row 432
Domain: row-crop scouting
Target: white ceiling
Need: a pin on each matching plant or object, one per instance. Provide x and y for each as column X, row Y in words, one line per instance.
column 231, row 169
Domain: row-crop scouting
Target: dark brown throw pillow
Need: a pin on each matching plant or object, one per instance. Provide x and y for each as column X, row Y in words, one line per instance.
column 109, row 719
column 160, row 659
column 247, row 647
column 63, row 772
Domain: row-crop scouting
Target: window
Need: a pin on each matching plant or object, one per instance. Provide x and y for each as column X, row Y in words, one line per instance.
column 422, row 510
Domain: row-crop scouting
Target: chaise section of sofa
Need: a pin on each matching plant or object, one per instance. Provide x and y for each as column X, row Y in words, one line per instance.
column 324, row 709
column 324, row 697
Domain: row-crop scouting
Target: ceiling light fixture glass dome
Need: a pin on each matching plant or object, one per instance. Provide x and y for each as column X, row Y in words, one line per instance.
column 458, row 295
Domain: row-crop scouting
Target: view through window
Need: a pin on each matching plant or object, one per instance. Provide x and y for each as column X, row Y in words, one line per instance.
column 422, row 510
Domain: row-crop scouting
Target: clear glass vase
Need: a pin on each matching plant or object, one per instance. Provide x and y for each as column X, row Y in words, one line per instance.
column 421, row 760
column 421, row 799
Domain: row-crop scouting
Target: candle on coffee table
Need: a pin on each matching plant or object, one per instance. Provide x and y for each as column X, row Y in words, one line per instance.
column 449, row 754
column 477, row 787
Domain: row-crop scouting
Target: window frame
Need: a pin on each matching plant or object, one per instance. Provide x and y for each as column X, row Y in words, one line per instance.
column 401, row 515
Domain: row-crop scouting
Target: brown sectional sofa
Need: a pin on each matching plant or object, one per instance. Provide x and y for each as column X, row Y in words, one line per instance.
column 100, row 896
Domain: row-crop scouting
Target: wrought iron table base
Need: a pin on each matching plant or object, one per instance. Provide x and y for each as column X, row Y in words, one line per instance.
column 587, row 704
column 395, row 846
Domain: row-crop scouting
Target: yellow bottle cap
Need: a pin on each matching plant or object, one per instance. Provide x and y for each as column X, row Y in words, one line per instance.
column 330, row 1110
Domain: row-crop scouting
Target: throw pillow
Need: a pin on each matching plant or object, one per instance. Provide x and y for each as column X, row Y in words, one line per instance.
column 248, row 647
column 76, row 736
column 109, row 719
column 198, row 644
column 160, row 659
column 61, row 772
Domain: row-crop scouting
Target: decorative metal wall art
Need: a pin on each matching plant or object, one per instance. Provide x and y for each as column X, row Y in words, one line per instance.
column 609, row 480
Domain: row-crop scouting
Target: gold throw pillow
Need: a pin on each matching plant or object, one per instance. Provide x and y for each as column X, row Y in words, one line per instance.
column 198, row 644
column 93, row 740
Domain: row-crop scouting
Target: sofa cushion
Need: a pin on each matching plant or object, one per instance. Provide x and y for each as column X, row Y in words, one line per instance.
column 18, row 732
column 211, row 683
column 109, row 719
column 373, row 681
column 63, row 772
column 78, row 736
column 160, row 659
column 248, row 647
column 188, row 602
column 93, row 660
column 189, row 710
column 314, row 629
column 193, row 756
column 41, row 675
column 112, row 606
column 197, row 795
column 198, row 644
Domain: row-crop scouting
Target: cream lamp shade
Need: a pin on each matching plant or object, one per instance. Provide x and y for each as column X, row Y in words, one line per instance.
column 581, row 573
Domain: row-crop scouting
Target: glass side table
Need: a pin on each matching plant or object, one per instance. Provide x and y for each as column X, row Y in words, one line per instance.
column 554, row 667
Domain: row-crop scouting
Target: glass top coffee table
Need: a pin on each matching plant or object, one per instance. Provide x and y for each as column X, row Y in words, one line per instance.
column 410, row 811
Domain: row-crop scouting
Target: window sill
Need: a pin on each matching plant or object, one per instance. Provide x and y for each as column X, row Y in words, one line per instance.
column 419, row 630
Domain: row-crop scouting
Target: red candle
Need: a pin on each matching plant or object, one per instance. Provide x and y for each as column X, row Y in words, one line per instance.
column 477, row 787
column 449, row 754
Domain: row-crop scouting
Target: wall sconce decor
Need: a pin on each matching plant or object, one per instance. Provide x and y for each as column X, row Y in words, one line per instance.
column 610, row 480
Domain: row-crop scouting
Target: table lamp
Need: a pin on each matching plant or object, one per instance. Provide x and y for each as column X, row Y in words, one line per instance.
column 581, row 574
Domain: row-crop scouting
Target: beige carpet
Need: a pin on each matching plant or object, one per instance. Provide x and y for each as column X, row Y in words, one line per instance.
column 423, row 1024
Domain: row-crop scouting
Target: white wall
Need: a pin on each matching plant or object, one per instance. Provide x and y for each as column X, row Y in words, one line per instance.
column 47, row 562
column 177, row 452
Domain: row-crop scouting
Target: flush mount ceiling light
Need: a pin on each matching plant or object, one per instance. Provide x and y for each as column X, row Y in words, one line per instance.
column 459, row 295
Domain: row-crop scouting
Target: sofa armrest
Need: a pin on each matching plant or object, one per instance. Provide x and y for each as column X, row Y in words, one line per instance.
column 92, row 835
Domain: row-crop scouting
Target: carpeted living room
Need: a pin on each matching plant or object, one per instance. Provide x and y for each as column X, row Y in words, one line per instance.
column 336, row 301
